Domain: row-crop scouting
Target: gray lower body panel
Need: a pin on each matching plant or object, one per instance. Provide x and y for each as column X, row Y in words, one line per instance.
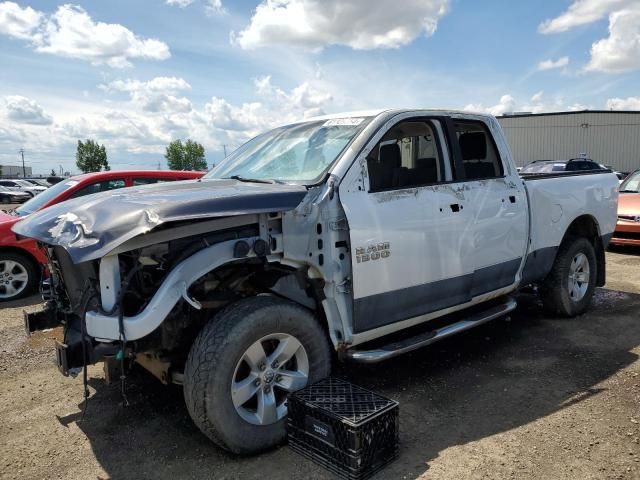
column 378, row 310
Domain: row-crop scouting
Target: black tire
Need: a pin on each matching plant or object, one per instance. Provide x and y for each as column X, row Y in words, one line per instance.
column 213, row 358
column 33, row 275
column 554, row 291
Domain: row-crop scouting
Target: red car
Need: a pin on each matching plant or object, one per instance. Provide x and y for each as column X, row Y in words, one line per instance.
column 628, row 226
column 20, row 258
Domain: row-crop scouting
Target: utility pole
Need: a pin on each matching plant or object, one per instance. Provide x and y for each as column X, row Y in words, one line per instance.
column 224, row 147
column 159, row 166
column 24, row 170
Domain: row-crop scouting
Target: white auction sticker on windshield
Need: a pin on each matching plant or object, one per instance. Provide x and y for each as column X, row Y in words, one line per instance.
column 343, row 122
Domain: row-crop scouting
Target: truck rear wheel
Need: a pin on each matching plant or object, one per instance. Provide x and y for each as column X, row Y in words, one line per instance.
column 569, row 287
column 242, row 365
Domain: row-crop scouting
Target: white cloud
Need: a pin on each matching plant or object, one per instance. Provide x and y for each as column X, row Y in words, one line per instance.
column 620, row 52
column 180, row 3
column 156, row 95
column 18, row 22
column 70, row 32
column 359, row 24
column 551, row 64
column 127, row 128
column 24, row 110
column 211, row 7
column 582, row 12
column 629, row 103
column 538, row 103
column 275, row 107
column 214, row 7
column 505, row 105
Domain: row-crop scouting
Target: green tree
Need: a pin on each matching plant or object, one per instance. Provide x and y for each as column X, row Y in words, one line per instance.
column 187, row 156
column 91, row 157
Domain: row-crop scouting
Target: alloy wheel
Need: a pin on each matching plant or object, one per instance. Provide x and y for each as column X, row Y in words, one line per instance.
column 269, row 369
column 14, row 278
column 578, row 281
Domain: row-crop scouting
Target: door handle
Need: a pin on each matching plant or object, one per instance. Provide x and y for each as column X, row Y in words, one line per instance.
column 455, row 207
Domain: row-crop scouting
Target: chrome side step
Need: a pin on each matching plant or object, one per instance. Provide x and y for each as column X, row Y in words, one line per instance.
column 422, row 340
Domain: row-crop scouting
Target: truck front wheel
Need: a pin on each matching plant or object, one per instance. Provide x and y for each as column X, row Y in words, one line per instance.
column 243, row 364
column 569, row 287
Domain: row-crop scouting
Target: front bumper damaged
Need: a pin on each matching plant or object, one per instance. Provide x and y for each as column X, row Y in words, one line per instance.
column 76, row 350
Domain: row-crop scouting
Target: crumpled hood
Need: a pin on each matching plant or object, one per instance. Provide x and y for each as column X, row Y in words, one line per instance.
column 90, row 227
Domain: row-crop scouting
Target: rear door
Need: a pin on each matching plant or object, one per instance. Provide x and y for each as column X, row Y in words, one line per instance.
column 410, row 225
column 498, row 206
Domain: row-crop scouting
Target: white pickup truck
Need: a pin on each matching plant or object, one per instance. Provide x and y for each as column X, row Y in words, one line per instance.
column 367, row 235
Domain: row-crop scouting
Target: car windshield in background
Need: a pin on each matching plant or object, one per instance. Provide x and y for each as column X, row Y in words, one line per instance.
column 631, row 183
column 543, row 167
column 300, row 153
column 550, row 166
column 37, row 202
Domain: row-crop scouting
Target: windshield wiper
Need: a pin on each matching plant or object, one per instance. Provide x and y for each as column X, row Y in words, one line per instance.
column 629, row 191
column 254, row 180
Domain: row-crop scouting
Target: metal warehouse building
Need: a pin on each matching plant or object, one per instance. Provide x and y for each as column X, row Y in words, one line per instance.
column 608, row 137
column 12, row 171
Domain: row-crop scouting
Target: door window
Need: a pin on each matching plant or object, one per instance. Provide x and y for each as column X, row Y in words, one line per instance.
column 408, row 155
column 98, row 187
column 479, row 153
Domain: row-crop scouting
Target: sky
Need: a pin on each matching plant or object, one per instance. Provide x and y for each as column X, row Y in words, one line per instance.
column 136, row 74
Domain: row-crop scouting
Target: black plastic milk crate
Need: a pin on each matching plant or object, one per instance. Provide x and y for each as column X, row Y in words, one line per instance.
column 345, row 428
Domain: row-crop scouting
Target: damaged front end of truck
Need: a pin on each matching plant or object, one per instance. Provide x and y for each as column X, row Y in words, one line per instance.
column 133, row 276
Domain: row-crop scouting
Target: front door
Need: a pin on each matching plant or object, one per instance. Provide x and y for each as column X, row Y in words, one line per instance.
column 410, row 225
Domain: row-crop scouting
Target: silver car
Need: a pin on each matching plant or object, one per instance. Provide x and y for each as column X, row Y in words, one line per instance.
column 8, row 195
column 22, row 185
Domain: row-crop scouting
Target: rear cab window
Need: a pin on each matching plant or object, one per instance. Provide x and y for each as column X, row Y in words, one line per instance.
column 480, row 157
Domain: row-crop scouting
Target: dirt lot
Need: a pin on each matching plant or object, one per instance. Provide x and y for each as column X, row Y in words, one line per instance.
column 529, row 397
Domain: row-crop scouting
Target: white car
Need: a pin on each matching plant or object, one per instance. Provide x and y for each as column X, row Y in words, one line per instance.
column 9, row 195
column 355, row 236
column 22, row 185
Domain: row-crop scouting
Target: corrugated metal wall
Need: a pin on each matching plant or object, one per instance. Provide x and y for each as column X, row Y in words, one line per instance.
column 14, row 170
column 612, row 138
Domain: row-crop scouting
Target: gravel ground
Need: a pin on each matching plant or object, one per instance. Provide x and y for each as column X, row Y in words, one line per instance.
column 530, row 397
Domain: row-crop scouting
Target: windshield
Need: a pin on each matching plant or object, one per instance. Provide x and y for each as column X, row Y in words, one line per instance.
column 37, row 202
column 631, row 183
column 299, row 153
column 24, row 183
column 543, row 167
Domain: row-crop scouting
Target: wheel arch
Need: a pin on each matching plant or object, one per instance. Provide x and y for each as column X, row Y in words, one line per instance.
column 25, row 253
column 586, row 226
column 282, row 279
